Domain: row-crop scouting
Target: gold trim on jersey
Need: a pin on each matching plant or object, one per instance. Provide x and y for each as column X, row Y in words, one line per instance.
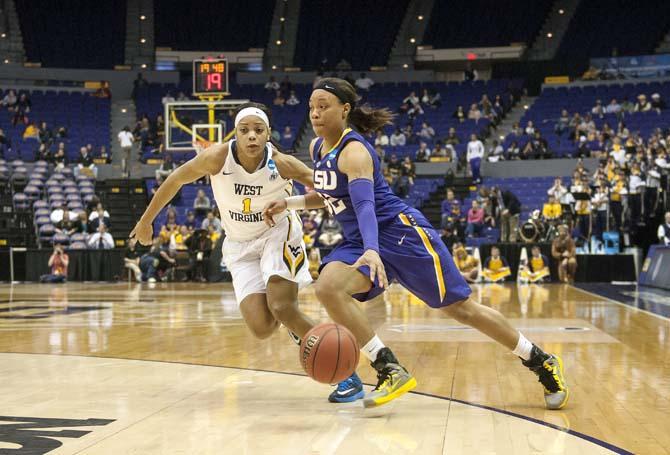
column 337, row 144
column 436, row 258
column 293, row 256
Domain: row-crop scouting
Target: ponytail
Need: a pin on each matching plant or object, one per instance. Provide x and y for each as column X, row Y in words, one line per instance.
column 367, row 119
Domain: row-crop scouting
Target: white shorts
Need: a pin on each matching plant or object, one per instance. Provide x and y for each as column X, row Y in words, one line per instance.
column 278, row 251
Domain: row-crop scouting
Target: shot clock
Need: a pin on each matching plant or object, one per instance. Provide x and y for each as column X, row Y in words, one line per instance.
column 210, row 77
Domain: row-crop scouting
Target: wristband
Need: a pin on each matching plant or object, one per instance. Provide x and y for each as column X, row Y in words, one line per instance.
column 296, row 202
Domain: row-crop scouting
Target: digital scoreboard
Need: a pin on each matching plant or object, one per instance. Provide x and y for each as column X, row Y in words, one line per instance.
column 210, row 77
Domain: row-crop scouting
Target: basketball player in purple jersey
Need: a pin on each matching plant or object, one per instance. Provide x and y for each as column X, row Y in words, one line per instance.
column 384, row 237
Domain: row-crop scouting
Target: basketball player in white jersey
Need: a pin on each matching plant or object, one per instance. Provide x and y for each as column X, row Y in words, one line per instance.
column 268, row 265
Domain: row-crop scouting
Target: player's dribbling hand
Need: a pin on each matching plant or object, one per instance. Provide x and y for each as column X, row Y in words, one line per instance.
column 143, row 232
column 271, row 209
column 371, row 259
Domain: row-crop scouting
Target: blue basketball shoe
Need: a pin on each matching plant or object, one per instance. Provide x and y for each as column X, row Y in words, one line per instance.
column 351, row 389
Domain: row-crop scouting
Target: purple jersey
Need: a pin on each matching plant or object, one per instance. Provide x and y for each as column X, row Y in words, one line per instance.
column 333, row 185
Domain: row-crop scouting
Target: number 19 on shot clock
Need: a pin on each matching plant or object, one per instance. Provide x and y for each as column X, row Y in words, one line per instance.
column 210, row 77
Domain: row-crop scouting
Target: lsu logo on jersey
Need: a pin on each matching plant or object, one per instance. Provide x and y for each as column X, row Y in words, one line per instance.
column 325, row 180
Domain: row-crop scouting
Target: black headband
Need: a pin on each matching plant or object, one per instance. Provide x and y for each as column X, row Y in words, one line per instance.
column 335, row 90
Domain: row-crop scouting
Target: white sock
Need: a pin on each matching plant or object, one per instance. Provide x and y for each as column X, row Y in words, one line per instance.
column 372, row 347
column 523, row 347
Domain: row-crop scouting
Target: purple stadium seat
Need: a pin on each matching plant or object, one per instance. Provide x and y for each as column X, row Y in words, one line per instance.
column 40, row 205
column 41, row 212
column 32, row 191
column 21, row 201
column 43, row 219
column 56, row 204
column 17, row 163
column 71, row 190
column 68, row 184
column 78, row 237
column 63, row 239
column 78, row 245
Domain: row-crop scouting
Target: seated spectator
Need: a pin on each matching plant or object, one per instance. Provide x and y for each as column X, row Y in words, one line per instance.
column 408, row 132
column 466, row 264
column 411, row 105
column 57, row 215
column 156, row 260
column 10, row 100
column 451, row 209
column 364, row 82
column 104, row 155
column 459, row 114
column 58, row 262
column 474, row 113
column 292, row 99
column 81, row 223
column 427, row 132
column 279, row 99
column 496, row 268
column 423, row 153
column 440, row 153
column 213, row 235
column 212, row 220
column 68, row 222
column 642, row 104
column 558, row 190
column 394, row 167
column 331, row 231
column 178, row 239
column 101, row 239
column 562, row 123
column 425, row 97
column 530, row 128
column 496, row 153
column 451, row 138
column 59, row 158
column 537, row 148
column 131, row 259
column 475, row 224
column 513, row 151
column 598, row 109
column 435, row 99
column 166, row 168
column 310, row 227
column 381, row 138
column 407, row 176
column 201, row 204
column 31, row 132
column 657, row 103
column 398, row 139
column 190, row 222
column 663, row 233
column 45, row 135
column 42, row 153
column 199, row 248
column 563, row 249
column 167, row 98
column 537, row 268
column 613, row 107
column 272, row 85
column 97, row 215
column 552, row 210
column 85, row 164
column 287, row 137
column 381, row 153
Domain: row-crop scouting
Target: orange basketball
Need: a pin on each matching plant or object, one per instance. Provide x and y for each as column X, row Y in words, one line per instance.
column 329, row 353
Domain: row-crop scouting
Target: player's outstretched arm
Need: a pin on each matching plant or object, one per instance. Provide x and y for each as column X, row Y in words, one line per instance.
column 356, row 163
column 311, row 200
column 290, row 167
column 208, row 162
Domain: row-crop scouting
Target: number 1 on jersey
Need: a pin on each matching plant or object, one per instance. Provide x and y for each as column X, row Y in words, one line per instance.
column 246, row 205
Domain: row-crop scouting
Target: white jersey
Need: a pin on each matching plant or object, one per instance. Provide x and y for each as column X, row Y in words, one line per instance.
column 241, row 196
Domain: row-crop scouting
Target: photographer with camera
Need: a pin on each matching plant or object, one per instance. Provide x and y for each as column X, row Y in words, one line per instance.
column 58, row 261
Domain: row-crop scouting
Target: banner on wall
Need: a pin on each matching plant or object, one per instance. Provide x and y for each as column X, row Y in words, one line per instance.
column 637, row 66
column 656, row 267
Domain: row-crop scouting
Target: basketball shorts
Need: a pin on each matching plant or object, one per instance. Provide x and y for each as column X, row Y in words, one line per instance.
column 278, row 251
column 414, row 255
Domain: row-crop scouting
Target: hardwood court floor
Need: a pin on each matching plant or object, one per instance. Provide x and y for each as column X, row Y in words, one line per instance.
column 145, row 363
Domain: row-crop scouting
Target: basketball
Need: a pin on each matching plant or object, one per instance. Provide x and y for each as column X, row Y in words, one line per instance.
column 329, row 353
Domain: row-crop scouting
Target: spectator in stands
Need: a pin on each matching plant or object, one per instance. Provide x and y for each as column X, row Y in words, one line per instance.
column 466, row 264
column 292, row 99
column 642, row 104
column 59, row 158
column 496, row 267
column 287, row 137
column 31, row 132
column 513, row 152
column 422, row 155
column 586, row 125
column 474, row 113
column 583, row 214
column 558, row 190
column 496, row 152
column 470, row 74
column 617, row 194
column 167, row 98
column 394, row 166
column 530, row 128
column 563, row 249
column 657, row 102
column 10, row 100
column 613, row 107
column 191, row 222
column 331, row 231
column 452, row 138
column 364, row 82
column 42, row 153
column 81, row 223
column 598, row 109
column 286, row 86
column 45, row 134
column 427, row 132
column 310, row 227
column 58, row 262
column 475, row 154
column 636, row 184
column 475, row 224
column 552, row 210
column 381, row 138
column 213, row 234
column 508, row 209
column 21, row 110
column 398, row 139
column 451, row 209
column 272, row 85
column 563, row 123
column 131, row 259
column 663, row 233
column 600, row 203
column 166, row 168
column 381, row 153
column 178, row 239
column 212, row 220
column 413, row 104
column 99, row 215
column 126, row 140
column 435, row 99
column 101, row 239
column 408, row 131
column 68, row 221
column 181, row 96
column 408, row 172
column 104, row 155
column 536, row 148
column 537, row 268
column 279, row 99
column 459, row 114
column 85, row 164
column 201, row 203
column 57, row 215
column 157, row 258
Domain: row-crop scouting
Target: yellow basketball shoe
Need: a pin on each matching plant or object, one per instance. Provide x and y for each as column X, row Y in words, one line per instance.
column 549, row 370
column 393, row 380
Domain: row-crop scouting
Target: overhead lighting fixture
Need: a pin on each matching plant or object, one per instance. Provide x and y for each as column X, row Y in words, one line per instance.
column 124, row 110
column 4, row 35
column 278, row 42
column 144, row 65
column 274, row 67
column 143, row 40
column 412, row 40
column 6, row 60
column 405, row 65
column 420, row 18
column 550, row 35
column 282, row 19
column 143, row 17
column 560, row 11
